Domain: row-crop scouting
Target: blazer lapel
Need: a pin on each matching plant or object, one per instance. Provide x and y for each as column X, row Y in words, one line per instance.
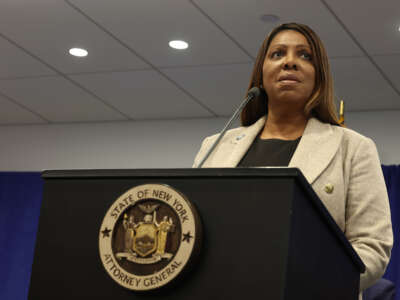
column 316, row 149
column 242, row 142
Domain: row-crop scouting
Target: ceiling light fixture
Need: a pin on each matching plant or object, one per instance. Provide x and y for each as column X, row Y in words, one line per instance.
column 78, row 52
column 177, row 44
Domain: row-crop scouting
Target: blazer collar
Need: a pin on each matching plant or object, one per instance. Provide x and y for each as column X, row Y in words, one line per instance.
column 241, row 143
column 317, row 147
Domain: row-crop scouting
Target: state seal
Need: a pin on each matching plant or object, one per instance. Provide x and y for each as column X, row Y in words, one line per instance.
column 149, row 235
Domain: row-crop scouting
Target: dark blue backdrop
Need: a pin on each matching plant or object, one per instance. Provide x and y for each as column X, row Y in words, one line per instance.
column 20, row 199
column 392, row 178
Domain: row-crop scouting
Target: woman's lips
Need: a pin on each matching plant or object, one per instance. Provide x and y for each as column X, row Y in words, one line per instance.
column 288, row 82
column 288, row 78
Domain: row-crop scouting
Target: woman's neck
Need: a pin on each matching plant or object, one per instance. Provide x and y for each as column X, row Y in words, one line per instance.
column 284, row 125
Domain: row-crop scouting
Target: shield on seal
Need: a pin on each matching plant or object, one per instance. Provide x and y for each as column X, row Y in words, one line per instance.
column 145, row 240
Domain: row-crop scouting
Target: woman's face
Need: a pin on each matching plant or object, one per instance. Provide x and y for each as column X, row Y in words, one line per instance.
column 288, row 72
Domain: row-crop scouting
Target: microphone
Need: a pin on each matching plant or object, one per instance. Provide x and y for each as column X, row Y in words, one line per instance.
column 254, row 92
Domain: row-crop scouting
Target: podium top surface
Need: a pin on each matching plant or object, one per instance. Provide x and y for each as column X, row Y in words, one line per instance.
column 186, row 172
column 264, row 172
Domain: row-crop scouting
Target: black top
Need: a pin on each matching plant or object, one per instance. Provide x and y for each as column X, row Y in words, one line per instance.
column 269, row 152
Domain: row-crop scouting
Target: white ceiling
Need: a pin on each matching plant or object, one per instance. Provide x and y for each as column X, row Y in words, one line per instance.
column 132, row 74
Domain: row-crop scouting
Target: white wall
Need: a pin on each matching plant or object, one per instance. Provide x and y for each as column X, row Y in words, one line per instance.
column 384, row 128
column 148, row 144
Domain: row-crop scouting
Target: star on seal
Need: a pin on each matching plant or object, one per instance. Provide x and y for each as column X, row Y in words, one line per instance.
column 187, row 237
column 106, row 232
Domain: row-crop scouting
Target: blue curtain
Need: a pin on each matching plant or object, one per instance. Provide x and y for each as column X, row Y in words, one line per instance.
column 20, row 200
column 392, row 179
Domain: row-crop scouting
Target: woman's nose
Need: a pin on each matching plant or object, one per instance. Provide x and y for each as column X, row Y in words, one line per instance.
column 289, row 62
column 289, row 66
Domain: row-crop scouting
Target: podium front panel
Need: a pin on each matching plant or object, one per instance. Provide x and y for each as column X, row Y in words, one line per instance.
column 246, row 231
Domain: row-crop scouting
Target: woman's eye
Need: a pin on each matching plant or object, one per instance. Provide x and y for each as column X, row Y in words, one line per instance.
column 276, row 54
column 305, row 55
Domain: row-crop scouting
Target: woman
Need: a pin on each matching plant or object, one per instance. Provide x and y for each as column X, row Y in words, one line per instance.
column 293, row 123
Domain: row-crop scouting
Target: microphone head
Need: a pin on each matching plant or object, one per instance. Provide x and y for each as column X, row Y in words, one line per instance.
column 254, row 92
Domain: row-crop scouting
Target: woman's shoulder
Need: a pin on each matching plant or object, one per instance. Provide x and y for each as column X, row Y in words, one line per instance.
column 356, row 151
column 352, row 136
column 349, row 140
column 354, row 141
column 347, row 134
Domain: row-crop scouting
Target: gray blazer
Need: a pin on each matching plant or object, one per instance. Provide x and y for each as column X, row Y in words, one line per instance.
column 344, row 170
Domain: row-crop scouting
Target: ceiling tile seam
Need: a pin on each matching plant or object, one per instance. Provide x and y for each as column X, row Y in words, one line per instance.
column 106, row 103
column 24, row 107
column 94, row 122
column 118, row 121
column 61, row 74
column 346, row 56
column 108, row 71
column 367, row 55
column 158, row 119
column 27, row 77
column 221, row 29
column 386, row 55
column 19, row 124
column 165, row 76
column 128, row 70
column 75, row 73
column 204, row 65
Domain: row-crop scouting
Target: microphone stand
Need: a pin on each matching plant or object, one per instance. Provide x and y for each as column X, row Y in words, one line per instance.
column 253, row 92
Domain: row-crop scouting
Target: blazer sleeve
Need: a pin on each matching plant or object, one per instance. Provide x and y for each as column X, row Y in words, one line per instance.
column 368, row 221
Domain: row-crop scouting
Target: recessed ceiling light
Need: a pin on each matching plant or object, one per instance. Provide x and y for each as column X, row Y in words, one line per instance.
column 269, row 18
column 178, row 44
column 79, row 52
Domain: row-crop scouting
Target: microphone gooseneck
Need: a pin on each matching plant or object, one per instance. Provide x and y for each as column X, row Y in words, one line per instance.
column 254, row 92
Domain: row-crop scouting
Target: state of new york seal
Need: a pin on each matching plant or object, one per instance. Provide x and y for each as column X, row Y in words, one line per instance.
column 148, row 236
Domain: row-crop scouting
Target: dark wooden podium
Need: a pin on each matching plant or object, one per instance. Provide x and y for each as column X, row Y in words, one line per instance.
column 266, row 235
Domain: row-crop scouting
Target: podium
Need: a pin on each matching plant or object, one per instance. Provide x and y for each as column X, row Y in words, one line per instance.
column 266, row 235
